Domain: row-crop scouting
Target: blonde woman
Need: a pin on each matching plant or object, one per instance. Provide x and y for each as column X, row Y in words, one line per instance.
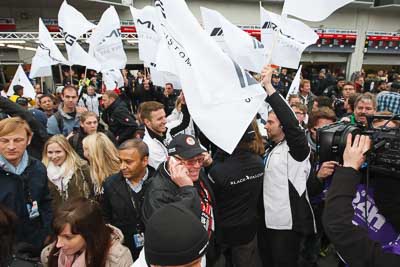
column 68, row 174
column 103, row 158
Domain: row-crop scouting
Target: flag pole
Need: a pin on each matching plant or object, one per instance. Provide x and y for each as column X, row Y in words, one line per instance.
column 41, row 84
column 61, row 73
column 275, row 36
column 54, row 84
column 70, row 73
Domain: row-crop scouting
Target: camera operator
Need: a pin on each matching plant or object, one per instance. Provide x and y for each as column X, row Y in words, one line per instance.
column 339, row 103
column 351, row 241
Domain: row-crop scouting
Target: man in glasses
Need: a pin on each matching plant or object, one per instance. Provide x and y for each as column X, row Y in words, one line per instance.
column 182, row 180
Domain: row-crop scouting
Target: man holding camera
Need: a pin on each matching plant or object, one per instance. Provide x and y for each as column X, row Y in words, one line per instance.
column 351, row 241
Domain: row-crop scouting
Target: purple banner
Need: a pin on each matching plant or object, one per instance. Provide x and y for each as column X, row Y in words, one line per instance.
column 367, row 216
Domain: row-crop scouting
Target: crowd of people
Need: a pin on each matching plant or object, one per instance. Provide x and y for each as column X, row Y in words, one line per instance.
column 125, row 177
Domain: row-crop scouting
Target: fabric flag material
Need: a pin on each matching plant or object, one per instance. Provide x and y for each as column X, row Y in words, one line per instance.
column 292, row 39
column 20, row 78
column 312, row 10
column 106, row 42
column 160, row 78
column 146, row 23
column 153, row 50
column 113, row 79
column 72, row 25
column 245, row 50
column 47, row 54
column 294, row 87
column 222, row 98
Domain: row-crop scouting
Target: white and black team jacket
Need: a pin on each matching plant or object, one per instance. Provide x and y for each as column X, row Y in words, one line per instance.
column 287, row 168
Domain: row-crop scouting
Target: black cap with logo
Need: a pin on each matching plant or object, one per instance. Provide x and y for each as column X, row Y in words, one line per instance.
column 184, row 146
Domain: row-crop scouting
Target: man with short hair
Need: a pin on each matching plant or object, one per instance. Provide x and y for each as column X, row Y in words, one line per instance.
column 359, row 83
column 365, row 104
column 118, row 118
column 66, row 119
column 339, row 105
column 334, row 90
column 288, row 216
column 278, row 84
column 124, row 192
column 169, row 98
column 322, row 101
column 91, row 100
column 152, row 114
column 306, row 96
column 182, row 180
column 24, row 184
column 46, row 104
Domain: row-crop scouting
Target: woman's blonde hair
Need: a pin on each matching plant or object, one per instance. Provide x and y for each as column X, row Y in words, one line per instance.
column 72, row 160
column 103, row 157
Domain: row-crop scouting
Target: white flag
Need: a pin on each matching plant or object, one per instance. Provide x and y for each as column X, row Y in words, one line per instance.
column 294, row 87
column 153, row 50
column 245, row 50
column 146, row 22
column 221, row 97
column 73, row 24
column 312, row 10
column 113, row 79
column 47, row 54
column 20, row 78
column 294, row 36
column 106, row 42
column 160, row 78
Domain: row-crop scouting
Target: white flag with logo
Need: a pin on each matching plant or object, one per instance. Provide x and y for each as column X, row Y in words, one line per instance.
column 113, row 79
column 106, row 42
column 47, row 54
column 222, row 98
column 73, row 24
column 146, row 23
column 153, row 50
column 245, row 50
column 294, row 87
column 20, row 78
column 312, row 10
column 293, row 38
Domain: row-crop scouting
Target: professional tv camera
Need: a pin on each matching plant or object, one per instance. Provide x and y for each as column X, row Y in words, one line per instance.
column 384, row 155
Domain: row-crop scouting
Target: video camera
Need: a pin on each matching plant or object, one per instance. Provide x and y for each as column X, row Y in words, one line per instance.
column 384, row 155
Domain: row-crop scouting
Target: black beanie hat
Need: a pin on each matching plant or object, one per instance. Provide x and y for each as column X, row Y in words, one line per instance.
column 174, row 236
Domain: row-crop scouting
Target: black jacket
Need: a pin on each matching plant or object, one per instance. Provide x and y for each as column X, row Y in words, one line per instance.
column 118, row 208
column 161, row 190
column 237, row 183
column 120, row 121
column 76, row 140
column 14, row 194
column 352, row 242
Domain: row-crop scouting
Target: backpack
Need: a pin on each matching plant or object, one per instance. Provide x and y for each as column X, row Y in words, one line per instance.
column 60, row 121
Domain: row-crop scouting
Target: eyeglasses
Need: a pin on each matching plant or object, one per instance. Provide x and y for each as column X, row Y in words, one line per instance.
column 300, row 113
column 192, row 162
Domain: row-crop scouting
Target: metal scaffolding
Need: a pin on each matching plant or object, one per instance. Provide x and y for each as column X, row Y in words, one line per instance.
column 57, row 36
